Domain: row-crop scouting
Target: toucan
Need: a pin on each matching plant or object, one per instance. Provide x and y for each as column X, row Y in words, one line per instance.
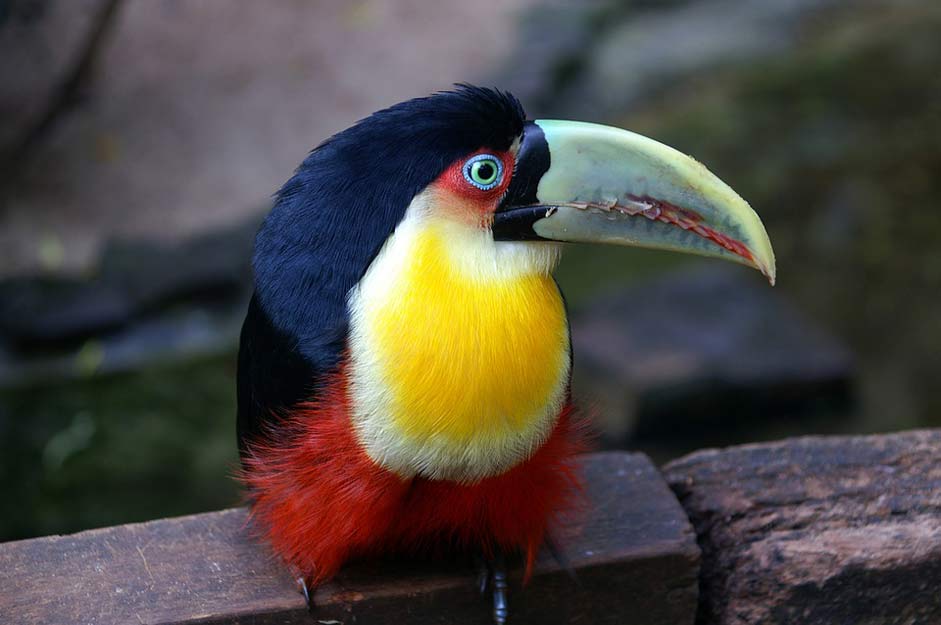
column 404, row 366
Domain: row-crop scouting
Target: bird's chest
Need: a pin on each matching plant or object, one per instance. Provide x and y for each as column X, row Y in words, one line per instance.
column 457, row 371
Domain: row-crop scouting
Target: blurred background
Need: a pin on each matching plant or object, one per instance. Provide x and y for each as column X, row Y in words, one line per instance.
column 141, row 140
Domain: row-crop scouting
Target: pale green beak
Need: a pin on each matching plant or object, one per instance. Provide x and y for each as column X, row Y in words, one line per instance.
column 590, row 183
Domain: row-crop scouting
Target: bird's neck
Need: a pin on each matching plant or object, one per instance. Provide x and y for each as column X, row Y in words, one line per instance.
column 459, row 351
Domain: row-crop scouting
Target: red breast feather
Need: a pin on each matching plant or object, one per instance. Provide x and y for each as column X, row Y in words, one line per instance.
column 320, row 500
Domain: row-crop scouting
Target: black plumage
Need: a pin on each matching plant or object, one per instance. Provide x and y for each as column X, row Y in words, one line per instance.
column 328, row 223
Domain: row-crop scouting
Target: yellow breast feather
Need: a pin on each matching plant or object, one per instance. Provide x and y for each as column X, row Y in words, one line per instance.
column 460, row 353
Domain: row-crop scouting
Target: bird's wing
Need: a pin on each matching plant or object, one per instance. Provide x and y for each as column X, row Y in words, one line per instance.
column 272, row 375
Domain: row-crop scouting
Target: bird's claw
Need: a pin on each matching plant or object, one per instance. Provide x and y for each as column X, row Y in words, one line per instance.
column 305, row 590
column 483, row 575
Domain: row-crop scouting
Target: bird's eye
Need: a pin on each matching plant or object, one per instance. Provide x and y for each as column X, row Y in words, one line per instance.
column 484, row 171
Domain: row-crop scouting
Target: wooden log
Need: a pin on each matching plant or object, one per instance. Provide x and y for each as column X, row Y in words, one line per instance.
column 633, row 552
column 817, row 530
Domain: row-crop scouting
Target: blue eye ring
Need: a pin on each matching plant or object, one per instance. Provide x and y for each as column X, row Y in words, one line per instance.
column 483, row 171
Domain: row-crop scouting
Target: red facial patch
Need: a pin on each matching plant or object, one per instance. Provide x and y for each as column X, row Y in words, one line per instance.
column 483, row 202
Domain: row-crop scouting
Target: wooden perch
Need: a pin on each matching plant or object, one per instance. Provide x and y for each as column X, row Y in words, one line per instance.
column 818, row 530
column 634, row 555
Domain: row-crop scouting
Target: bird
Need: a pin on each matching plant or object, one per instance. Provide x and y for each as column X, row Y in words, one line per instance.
column 405, row 362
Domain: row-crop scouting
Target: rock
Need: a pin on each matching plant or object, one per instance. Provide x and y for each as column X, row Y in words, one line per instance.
column 174, row 336
column 216, row 263
column 817, row 530
column 149, row 302
column 137, row 278
column 702, row 351
column 839, row 167
column 615, row 55
column 38, row 312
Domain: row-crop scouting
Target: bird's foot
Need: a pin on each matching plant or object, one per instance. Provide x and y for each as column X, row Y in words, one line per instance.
column 501, row 610
column 493, row 574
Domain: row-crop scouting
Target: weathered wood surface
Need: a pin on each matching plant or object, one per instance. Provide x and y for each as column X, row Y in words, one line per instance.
column 634, row 554
column 818, row 530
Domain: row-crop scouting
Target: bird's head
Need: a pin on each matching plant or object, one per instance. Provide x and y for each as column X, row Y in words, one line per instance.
column 470, row 162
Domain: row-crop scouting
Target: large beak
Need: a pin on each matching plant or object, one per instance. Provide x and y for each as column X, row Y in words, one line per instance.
column 589, row 183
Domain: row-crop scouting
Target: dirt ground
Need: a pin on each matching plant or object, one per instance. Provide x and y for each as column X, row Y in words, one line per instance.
column 199, row 109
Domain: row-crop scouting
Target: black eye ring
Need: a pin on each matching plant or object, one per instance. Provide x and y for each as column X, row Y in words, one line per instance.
column 484, row 171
